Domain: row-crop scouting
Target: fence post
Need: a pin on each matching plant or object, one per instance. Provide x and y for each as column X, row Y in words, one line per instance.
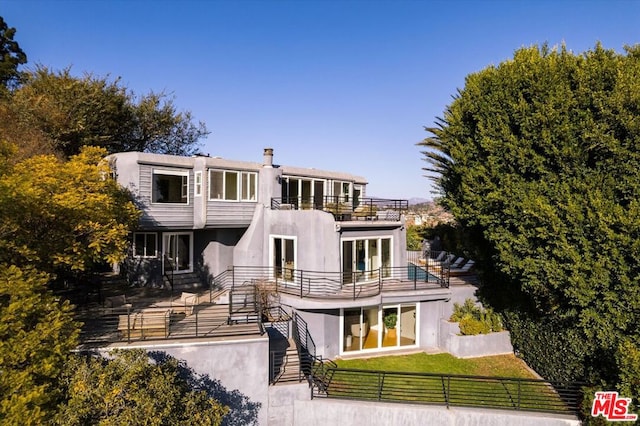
column 354, row 286
column 301, row 293
column 415, row 276
column 380, row 383
column 128, row 324
column 519, row 390
column 380, row 280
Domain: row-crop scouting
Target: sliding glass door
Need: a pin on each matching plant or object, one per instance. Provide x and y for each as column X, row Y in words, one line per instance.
column 379, row 327
column 177, row 249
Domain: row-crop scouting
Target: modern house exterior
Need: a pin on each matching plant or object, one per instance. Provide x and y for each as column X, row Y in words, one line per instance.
column 274, row 271
column 334, row 256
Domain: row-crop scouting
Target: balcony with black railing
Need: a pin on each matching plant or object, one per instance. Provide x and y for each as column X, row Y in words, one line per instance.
column 345, row 208
column 239, row 299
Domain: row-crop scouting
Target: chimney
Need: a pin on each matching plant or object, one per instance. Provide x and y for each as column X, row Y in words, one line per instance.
column 268, row 158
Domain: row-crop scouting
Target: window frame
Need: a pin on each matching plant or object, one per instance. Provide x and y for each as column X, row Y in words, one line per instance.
column 197, row 184
column 145, row 255
column 242, row 193
column 184, row 186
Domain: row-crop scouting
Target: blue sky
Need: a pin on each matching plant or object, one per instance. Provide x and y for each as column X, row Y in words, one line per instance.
column 335, row 85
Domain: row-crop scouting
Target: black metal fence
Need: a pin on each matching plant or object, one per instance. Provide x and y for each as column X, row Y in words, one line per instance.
column 178, row 321
column 344, row 207
column 450, row 390
column 335, row 285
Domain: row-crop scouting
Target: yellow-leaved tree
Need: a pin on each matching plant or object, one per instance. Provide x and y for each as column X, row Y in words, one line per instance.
column 63, row 216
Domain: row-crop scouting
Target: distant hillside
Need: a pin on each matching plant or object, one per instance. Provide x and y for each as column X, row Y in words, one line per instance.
column 416, row 200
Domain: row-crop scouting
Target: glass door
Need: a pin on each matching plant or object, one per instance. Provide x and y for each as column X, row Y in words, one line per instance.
column 284, row 257
column 178, row 252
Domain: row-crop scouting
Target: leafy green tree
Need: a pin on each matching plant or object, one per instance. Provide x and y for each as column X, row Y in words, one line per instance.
column 11, row 56
column 68, row 112
column 62, row 216
column 37, row 333
column 538, row 159
column 414, row 237
column 131, row 390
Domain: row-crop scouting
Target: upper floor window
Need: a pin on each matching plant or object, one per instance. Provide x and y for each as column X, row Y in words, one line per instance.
column 341, row 191
column 170, row 187
column 197, row 190
column 232, row 185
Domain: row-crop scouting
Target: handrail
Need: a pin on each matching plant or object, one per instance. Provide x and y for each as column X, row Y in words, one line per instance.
column 344, row 207
column 167, row 261
column 452, row 390
column 164, row 323
column 338, row 285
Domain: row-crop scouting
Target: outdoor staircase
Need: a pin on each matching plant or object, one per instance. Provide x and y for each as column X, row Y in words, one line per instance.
column 243, row 305
column 186, row 281
column 291, row 366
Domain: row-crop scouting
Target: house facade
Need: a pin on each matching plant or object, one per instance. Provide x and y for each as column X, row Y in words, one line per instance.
column 333, row 255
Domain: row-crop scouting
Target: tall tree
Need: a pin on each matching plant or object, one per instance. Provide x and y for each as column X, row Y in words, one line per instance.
column 129, row 389
column 62, row 216
column 538, row 158
column 37, row 334
column 69, row 112
column 11, row 56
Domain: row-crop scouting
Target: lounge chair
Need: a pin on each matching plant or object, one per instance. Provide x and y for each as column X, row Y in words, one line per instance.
column 458, row 263
column 466, row 269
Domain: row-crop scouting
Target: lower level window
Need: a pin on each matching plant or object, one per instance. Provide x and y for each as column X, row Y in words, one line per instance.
column 145, row 244
column 375, row 327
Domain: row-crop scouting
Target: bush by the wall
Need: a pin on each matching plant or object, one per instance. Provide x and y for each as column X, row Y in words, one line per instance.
column 474, row 319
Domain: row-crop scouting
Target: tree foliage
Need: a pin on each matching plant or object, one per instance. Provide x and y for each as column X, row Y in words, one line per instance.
column 11, row 56
column 131, row 390
column 37, row 333
column 63, row 215
column 65, row 113
column 538, row 160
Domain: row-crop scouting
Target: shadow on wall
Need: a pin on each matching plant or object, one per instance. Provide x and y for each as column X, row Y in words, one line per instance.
column 241, row 410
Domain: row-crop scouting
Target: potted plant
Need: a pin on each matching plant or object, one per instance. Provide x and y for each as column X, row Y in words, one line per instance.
column 390, row 321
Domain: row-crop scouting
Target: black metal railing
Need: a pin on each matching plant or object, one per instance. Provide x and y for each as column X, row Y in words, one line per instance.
column 345, row 208
column 170, row 319
column 350, row 285
column 314, row 368
column 168, row 268
column 451, row 390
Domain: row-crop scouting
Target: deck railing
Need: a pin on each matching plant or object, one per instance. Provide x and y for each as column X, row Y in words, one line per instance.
column 126, row 324
column 451, row 390
column 346, row 208
column 350, row 285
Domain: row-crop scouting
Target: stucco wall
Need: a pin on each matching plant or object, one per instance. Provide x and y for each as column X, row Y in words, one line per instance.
column 324, row 412
column 473, row 346
column 236, row 372
column 324, row 326
column 429, row 322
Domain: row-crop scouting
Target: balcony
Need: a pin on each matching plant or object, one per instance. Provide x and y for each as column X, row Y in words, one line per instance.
column 238, row 301
column 344, row 208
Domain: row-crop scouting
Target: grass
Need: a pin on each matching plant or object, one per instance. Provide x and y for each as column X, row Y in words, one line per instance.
column 404, row 386
column 492, row 366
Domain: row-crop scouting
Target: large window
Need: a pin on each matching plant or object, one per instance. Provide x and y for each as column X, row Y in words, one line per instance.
column 145, row 244
column 378, row 327
column 341, row 191
column 232, row 185
column 363, row 258
column 170, row 187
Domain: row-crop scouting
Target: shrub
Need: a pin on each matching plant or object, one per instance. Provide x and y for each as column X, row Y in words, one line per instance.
column 474, row 319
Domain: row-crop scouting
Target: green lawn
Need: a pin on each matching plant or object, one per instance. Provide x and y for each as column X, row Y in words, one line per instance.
column 492, row 366
column 440, row 388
